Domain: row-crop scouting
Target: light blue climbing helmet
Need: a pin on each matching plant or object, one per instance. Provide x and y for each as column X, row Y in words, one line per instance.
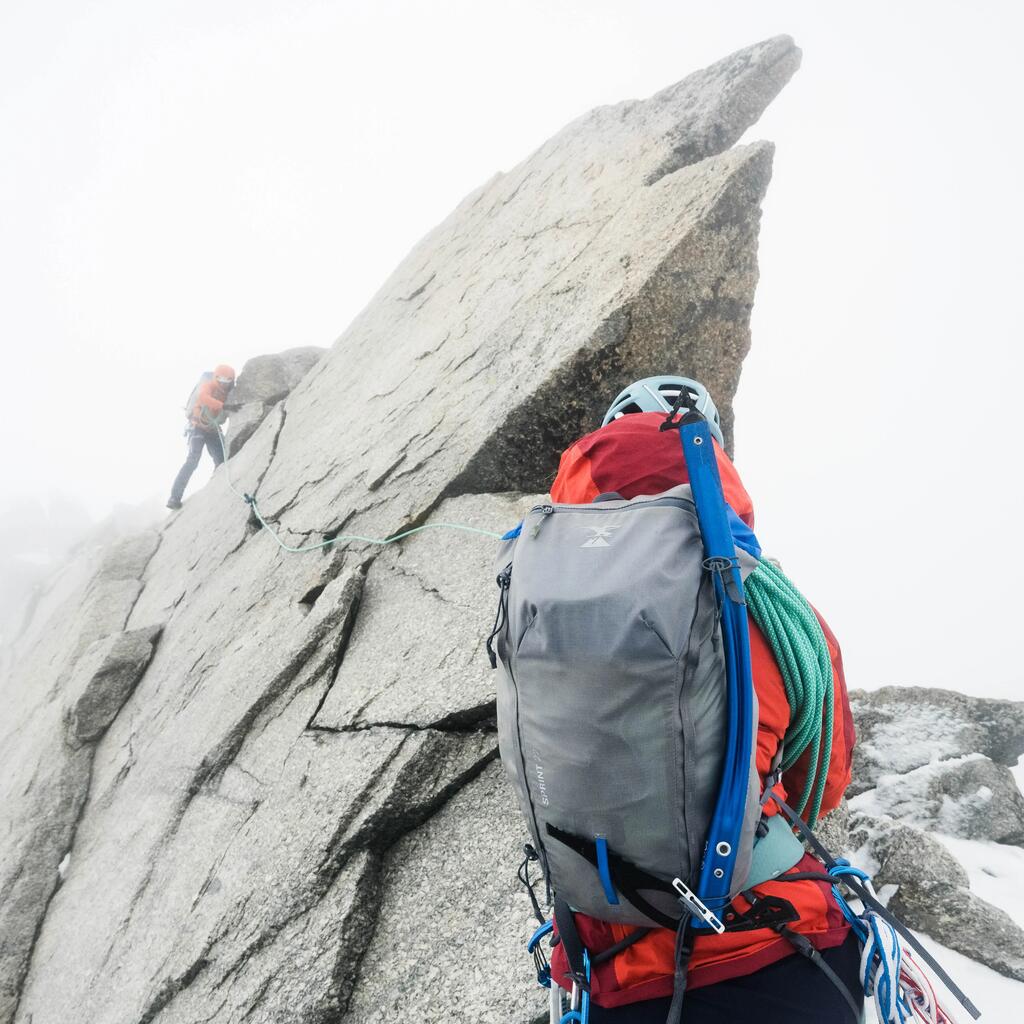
column 658, row 394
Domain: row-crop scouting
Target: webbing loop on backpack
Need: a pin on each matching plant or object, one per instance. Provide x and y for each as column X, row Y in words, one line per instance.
column 681, row 961
column 604, row 870
column 723, row 569
column 530, row 855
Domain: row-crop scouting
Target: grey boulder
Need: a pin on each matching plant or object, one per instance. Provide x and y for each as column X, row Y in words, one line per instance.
column 417, row 654
column 980, row 800
column 900, row 728
column 242, row 425
column 933, row 761
column 263, row 382
column 963, row 921
column 108, row 673
column 972, row 797
column 269, row 378
column 906, row 855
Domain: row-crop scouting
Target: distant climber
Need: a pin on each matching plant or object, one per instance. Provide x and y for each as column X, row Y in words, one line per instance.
column 594, row 818
column 205, row 412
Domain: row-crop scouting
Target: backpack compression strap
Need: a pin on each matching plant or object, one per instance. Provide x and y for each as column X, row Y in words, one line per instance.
column 726, row 828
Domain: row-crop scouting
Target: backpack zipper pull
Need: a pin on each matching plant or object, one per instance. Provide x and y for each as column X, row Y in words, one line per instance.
column 545, row 511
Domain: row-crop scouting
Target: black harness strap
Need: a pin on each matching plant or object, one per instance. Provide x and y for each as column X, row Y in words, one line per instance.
column 649, row 909
column 806, row 876
column 630, row 940
column 858, row 887
column 803, row 946
column 684, row 950
column 571, row 943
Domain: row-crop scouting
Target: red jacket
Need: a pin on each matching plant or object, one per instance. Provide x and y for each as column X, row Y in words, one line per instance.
column 632, row 456
column 208, row 408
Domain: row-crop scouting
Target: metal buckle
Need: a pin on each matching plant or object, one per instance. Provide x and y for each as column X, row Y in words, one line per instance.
column 696, row 906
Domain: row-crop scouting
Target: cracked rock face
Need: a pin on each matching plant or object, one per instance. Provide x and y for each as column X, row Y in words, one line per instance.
column 417, row 655
column 71, row 671
column 504, row 332
column 967, row 923
column 247, row 813
column 481, row 919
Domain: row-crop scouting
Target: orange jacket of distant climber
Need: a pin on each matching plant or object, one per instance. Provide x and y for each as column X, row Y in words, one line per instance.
column 631, row 456
column 208, row 407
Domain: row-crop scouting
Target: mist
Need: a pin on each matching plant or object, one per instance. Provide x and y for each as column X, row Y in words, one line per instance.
column 188, row 184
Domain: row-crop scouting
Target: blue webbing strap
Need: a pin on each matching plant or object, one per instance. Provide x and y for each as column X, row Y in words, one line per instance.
column 604, row 871
column 726, row 827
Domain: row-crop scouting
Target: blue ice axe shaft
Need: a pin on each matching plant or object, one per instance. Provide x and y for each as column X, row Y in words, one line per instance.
column 726, row 827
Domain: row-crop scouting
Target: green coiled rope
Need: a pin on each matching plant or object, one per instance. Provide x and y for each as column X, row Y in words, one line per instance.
column 798, row 643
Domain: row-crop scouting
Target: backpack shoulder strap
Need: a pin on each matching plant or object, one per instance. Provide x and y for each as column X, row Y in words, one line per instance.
column 726, row 830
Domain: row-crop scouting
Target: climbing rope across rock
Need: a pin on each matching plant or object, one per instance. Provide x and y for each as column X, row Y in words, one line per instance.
column 250, row 500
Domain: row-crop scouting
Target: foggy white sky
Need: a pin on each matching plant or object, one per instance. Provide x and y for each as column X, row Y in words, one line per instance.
column 188, row 183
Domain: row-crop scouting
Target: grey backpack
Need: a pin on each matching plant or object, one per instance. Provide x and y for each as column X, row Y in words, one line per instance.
column 612, row 702
column 193, row 395
column 626, row 722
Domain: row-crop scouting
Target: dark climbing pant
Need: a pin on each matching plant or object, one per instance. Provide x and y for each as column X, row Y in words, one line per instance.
column 197, row 441
column 791, row 991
